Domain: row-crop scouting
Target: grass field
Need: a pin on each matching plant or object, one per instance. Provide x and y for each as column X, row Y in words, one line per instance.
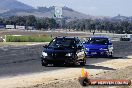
column 10, row 38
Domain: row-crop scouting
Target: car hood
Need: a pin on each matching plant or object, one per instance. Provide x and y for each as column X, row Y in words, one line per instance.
column 95, row 46
column 57, row 50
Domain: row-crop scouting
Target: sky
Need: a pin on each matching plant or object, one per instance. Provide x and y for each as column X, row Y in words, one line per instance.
column 90, row 7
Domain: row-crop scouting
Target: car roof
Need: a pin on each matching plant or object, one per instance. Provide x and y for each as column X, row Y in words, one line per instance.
column 68, row 37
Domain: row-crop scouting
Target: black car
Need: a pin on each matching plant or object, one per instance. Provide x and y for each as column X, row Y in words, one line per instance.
column 64, row 50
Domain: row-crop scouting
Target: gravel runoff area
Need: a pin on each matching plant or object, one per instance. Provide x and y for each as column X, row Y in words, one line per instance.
column 67, row 78
column 125, row 73
column 119, row 73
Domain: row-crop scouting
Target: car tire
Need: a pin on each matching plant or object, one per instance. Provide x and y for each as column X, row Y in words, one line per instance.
column 58, row 64
column 110, row 55
column 44, row 63
column 75, row 63
column 55, row 65
column 83, row 63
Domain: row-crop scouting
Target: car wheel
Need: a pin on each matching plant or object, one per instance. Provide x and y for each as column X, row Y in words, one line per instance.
column 75, row 63
column 58, row 64
column 83, row 63
column 55, row 65
column 110, row 55
column 44, row 63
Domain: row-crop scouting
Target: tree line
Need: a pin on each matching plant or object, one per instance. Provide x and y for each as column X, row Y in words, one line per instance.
column 112, row 26
column 38, row 23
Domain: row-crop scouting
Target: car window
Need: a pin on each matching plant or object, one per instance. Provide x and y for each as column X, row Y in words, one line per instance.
column 62, row 42
column 102, row 41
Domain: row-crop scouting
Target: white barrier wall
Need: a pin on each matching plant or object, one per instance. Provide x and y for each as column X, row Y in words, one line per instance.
column 20, row 27
column 30, row 27
column 10, row 26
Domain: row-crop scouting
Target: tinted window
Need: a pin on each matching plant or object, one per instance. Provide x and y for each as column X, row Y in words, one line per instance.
column 64, row 42
column 102, row 41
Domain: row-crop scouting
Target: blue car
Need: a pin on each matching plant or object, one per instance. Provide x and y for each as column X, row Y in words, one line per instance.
column 99, row 46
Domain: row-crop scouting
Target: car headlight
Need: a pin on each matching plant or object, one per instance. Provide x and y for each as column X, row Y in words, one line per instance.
column 110, row 46
column 69, row 54
column 44, row 54
column 87, row 49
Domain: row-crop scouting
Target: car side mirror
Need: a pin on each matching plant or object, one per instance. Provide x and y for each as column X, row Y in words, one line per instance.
column 46, row 46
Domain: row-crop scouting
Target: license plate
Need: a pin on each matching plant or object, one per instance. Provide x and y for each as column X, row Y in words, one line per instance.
column 93, row 53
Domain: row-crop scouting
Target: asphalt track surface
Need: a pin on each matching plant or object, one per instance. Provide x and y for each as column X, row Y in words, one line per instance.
column 26, row 59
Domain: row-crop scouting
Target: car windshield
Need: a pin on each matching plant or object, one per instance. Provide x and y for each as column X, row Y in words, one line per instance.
column 62, row 42
column 101, row 41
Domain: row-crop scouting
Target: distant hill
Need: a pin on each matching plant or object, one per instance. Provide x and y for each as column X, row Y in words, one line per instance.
column 119, row 17
column 13, row 4
column 15, row 8
column 49, row 12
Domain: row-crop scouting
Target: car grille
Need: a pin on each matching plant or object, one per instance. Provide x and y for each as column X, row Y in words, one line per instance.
column 56, row 55
column 93, row 49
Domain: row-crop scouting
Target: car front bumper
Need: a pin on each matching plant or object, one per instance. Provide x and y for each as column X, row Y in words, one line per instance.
column 96, row 53
column 58, row 59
